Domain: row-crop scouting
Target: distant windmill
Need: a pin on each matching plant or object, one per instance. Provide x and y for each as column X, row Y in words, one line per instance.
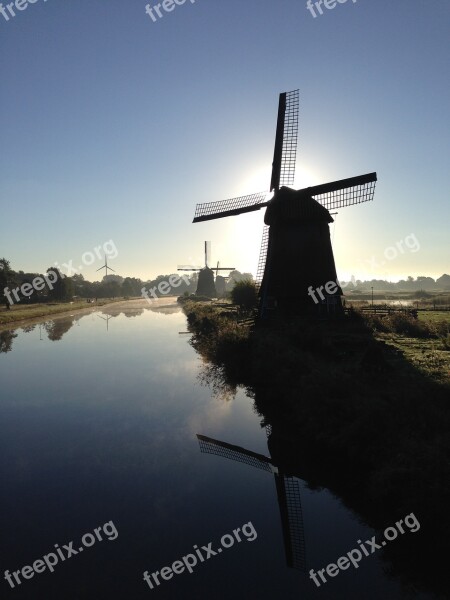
column 288, row 492
column 221, row 280
column 205, row 285
column 105, row 266
column 296, row 252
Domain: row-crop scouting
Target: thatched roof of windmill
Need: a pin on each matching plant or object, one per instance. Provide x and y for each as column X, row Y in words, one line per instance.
column 290, row 205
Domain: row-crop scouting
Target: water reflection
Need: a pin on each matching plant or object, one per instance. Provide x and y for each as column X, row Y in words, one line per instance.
column 57, row 328
column 101, row 426
column 386, row 459
column 108, row 317
column 288, row 494
column 6, row 340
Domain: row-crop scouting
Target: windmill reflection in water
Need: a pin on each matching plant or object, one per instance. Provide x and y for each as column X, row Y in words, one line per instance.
column 288, row 493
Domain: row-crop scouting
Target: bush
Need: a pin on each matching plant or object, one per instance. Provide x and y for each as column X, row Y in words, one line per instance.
column 245, row 294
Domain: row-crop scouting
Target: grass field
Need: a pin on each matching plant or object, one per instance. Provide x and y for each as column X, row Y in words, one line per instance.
column 435, row 316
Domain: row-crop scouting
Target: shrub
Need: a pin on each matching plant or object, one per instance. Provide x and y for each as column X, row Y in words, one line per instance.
column 245, row 294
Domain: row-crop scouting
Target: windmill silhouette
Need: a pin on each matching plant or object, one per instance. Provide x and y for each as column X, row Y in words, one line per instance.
column 296, row 252
column 288, row 493
column 221, row 280
column 205, row 285
column 105, row 266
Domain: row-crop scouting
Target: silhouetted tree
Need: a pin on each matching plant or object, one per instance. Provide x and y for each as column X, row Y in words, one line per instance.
column 5, row 277
column 245, row 294
column 62, row 288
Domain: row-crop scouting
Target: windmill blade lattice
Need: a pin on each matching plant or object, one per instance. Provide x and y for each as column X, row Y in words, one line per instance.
column 227, row 208
column 290, row 138
column 207, row 253
column 345, row 192
column 262, row 256
column 288, row 493
column 290, row 503
column 211, row 446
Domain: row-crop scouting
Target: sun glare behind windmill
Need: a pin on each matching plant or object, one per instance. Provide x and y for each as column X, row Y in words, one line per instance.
column 256, row 179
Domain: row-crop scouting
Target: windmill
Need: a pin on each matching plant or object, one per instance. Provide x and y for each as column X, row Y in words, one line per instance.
column 105, row 266
column 296, row 250
column 288, row 493
column 221, row 280
column 205, row 285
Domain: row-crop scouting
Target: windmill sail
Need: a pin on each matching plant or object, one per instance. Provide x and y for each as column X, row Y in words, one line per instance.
column 228, row 208
column 289, row 501
column 285, row 152
column 211, row 446
column 262, row 256
column 345, row 192
column 207, row 253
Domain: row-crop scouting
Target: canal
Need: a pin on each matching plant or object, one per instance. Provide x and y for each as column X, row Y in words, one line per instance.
column 103, row 477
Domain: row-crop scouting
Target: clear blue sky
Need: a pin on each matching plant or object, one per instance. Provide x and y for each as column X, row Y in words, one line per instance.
column 113, row 127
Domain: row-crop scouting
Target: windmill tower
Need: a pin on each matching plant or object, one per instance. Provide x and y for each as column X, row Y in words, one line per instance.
column 288, row 493
column 221, row 280
column 205, row 284
column 296, row 252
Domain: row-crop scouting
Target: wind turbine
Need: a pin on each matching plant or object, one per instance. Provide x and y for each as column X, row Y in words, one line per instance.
column 108, row 317
column 105, row 266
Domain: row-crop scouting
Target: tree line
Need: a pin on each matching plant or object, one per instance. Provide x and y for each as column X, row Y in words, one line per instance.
column 66, row 288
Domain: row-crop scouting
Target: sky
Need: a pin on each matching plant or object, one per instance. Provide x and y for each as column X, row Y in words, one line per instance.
column 114, row 125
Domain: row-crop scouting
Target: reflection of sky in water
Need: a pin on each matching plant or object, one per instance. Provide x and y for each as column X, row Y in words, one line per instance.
column 100, row 425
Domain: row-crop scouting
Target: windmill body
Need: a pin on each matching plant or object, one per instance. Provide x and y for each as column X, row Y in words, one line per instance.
column 296, row 253
column 221, row 280
column 205, row 284
column 299, row 253
column 221, row 283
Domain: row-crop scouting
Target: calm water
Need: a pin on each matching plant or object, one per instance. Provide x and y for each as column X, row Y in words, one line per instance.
column 98, row 423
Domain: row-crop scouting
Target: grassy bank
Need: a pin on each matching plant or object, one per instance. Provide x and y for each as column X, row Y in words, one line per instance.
column 360, row 406
column 34, row 311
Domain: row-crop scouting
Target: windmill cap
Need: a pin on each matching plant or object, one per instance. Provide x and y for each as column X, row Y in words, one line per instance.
column 289, row 205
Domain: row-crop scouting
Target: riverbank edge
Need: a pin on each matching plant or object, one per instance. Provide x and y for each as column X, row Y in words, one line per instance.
column 58, row 310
